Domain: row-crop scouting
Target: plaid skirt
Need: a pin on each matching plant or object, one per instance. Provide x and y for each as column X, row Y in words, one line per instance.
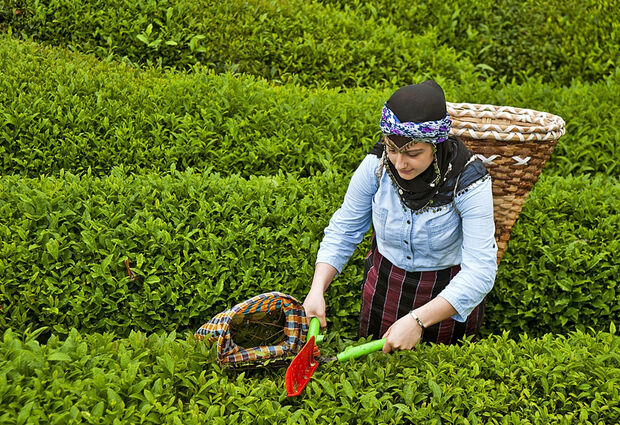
column 389, row 293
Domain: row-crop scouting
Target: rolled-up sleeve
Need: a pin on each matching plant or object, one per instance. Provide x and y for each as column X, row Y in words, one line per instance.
column 478, row 251
column 352, row 220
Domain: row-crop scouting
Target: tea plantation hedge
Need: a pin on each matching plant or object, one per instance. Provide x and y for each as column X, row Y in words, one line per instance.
column 208, row 143
column 200, row 241
column 167, row 379
column 203, row 242
column 354, row 43
column 64, row 111
column 294, row 41
column 558, row 41
column 561, row 266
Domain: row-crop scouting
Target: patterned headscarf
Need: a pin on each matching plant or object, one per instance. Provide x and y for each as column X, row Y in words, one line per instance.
column 418, row 113
column 426, row 131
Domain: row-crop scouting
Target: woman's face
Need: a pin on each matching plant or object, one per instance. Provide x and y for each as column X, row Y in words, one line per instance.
column 411, row 161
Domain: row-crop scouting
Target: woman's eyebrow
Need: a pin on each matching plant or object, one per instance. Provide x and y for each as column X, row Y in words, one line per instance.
column 413, row 150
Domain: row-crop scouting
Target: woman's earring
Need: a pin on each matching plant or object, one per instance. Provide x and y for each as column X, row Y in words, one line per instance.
column 434, row 182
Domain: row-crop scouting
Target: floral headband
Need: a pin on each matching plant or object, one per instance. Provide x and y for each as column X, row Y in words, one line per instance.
column 427, row 131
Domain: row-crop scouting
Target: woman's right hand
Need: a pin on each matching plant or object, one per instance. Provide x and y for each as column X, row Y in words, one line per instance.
column 314, row 305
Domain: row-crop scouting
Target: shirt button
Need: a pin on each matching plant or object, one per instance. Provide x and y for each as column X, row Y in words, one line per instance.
column 408, row 257
column 407, row 242
column 408, row 221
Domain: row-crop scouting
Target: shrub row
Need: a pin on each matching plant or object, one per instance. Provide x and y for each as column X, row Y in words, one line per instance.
column 200, row 242
column 561, row 267
column 166, row 379
column 203, row 242
column 68, row 111
column 290, row 42
column 356, row 43
column 558, row 41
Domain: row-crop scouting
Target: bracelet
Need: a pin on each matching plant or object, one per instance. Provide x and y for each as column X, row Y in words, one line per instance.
column 417, row 319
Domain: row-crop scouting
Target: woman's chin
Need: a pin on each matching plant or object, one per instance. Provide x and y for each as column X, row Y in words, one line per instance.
column 408, row 176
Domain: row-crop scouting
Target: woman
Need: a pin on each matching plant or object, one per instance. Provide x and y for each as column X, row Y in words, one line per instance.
column 433, row 255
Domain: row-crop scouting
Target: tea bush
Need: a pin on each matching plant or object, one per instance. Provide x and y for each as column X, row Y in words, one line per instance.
column 200, row 242
column 287, row 42
column 353, row 43
column 217, row 181
column 60, row 110
column 170, row 379
column 204, row 242
column 560, row 269
column 558, row 41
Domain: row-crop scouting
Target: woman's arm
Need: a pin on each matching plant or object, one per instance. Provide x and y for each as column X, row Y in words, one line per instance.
column 478, row 251
column 351, row 221
column 345, row 231
column 405, row 333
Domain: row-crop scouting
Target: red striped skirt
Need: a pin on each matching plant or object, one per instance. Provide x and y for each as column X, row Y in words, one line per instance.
column 390, row 292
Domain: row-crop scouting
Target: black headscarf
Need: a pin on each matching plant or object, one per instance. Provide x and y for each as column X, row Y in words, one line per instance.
column 419, row 103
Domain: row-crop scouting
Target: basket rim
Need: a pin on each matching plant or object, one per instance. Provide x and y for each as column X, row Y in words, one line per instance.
column 546, row 126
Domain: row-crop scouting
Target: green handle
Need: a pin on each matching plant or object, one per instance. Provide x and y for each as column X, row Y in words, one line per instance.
column 361, row 350
column 314, row 328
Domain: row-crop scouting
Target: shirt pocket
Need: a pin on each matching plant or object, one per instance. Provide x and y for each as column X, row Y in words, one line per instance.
column 379, row 217
column 443, row 230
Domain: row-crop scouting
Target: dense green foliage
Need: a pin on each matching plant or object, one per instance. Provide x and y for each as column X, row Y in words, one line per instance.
column 357, row 43
column 559, row 41
column 291, row 42
column 209, row 143
column 202, row 241
column 71, row 112
column 561, row 268
column 165, row 379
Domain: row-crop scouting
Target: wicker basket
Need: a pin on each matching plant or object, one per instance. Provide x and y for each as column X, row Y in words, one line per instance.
column 514, row 144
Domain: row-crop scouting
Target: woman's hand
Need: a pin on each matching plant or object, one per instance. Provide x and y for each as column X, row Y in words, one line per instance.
column 404, row 334
column 314, row 305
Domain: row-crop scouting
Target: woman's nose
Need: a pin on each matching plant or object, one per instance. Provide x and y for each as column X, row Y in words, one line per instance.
column 400, row 161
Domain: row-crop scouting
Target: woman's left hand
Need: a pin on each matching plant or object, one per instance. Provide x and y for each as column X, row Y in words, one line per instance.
column 404, row 334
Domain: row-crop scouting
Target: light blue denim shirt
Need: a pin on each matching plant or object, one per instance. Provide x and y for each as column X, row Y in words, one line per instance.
column 461, row 232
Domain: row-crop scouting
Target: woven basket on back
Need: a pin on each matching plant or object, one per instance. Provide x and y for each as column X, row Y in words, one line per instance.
column 514, row 144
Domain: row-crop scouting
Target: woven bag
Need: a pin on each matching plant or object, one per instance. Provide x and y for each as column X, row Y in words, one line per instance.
column 514, row 144
column 264, row 328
